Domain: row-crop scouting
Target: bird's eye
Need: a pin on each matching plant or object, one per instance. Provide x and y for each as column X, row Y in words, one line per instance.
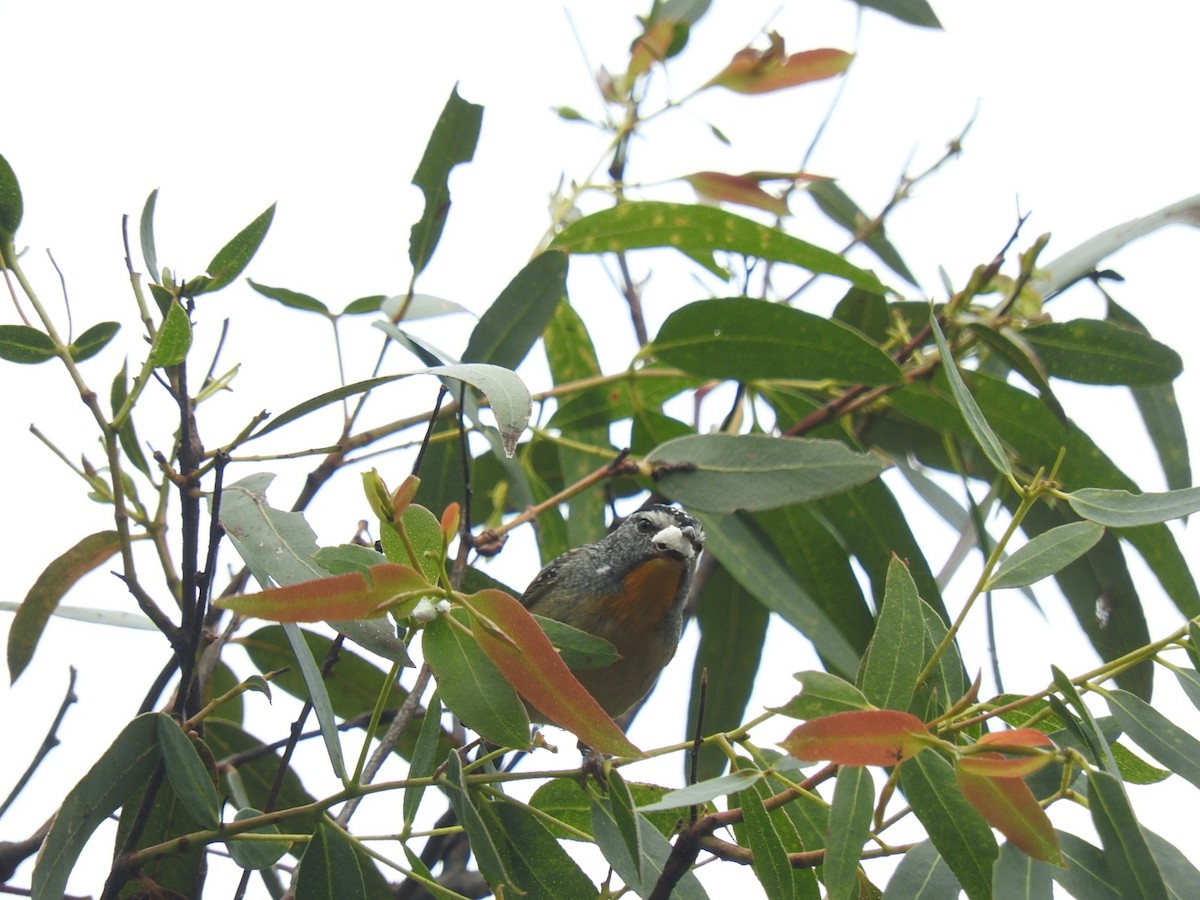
column 645, row 526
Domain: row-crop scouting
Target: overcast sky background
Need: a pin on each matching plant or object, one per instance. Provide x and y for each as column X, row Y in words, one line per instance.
column 1083, row 118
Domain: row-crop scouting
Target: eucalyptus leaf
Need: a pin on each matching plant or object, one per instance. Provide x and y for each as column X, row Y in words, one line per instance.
column 722, row 473
column 1122, row 509
column 1046, row 554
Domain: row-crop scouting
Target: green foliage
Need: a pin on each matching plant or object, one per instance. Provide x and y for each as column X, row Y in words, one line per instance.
column 779, row 427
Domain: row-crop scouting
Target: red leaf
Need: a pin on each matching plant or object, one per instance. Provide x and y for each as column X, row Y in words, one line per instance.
column 760, row 71
column 1015, row 737
column 742, row 189
column 1010, row 807
column 529, row 661
column 450, row 520
column 869, row 737
column 338, row 598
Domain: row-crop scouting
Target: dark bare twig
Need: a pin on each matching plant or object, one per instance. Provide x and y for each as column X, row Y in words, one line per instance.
column 49, row 742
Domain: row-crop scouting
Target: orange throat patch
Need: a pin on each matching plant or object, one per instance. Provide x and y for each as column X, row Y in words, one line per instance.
column 647, row 594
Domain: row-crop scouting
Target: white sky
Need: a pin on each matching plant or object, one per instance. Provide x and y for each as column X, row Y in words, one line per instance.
column 1084, row 120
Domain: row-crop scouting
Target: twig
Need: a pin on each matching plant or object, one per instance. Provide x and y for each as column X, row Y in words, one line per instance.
column 49, row 742
column 391, row 737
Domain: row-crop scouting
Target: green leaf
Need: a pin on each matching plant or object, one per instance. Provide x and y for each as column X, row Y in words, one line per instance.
column 509, row 398
column 1093, row 351
column 624, row 816
column 960, row 834
column 849, row 826
column 232, row 259
column 93, row 340
column 703, row 791
column 817, row 560
column 655, row 851
column 727, row 472
column 922, row 875
column 1011, row 348
column 329, row 868
column 424, row 533
column 733, row 626
column 871, row 524
column 1122, row 509
column 413, row 306
column 1160, row 412
column 453, row 141
column 1022, row 877
column 279, row 546
column 472, row 687
column 483, row 842
column 743, row 339
column 11, row 206
column 541, row 867
column 565, row 800
column 698, row 231
column 913, row 12
column 349, row 558
column 1084, row 723
column 257, row 774
column 353, row 684
column 189, row 776
column 322, row 705
column 146, row 234
column 1130, row 862
column 742, row 549
column 579, row 649
column 127, row 436
column 43, row 598
column 1046, row 554
column 1178, row 871
column 1189, row 680
column 290, row 299
column 119, row 773
column 173, row 338
column 426, row 756
column 838, row 206
column 1156, row 734
column 256, row 854
column 822, row 694
column 25, row 345
column 771, row 864
column 896, row 654
column 511, row 326
column 972, row 414
column 1086, row 872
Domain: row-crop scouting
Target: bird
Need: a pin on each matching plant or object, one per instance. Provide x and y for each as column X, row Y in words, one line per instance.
column 629, row 589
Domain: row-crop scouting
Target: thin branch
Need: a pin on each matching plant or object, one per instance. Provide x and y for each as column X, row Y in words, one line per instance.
column 49, row 742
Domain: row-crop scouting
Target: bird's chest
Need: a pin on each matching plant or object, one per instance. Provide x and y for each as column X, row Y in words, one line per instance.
column 646, row 597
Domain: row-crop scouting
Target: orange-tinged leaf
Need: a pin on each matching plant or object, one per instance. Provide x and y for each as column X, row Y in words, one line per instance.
column 868, row 737
column 1015, row 737
column 741, row 189
column 761, row 71
column 404, row 495
column 450, row 519
column 992, row 765
column 354, row 595
column 652, row 46
column 1010, row 807
column 983, row 757
column 43, row 598
column 531, row 664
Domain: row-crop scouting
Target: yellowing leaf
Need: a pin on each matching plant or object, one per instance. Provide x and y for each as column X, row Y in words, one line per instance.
column 529, row 661
column 355, row 595
column 869, row 737
column 761, row 71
